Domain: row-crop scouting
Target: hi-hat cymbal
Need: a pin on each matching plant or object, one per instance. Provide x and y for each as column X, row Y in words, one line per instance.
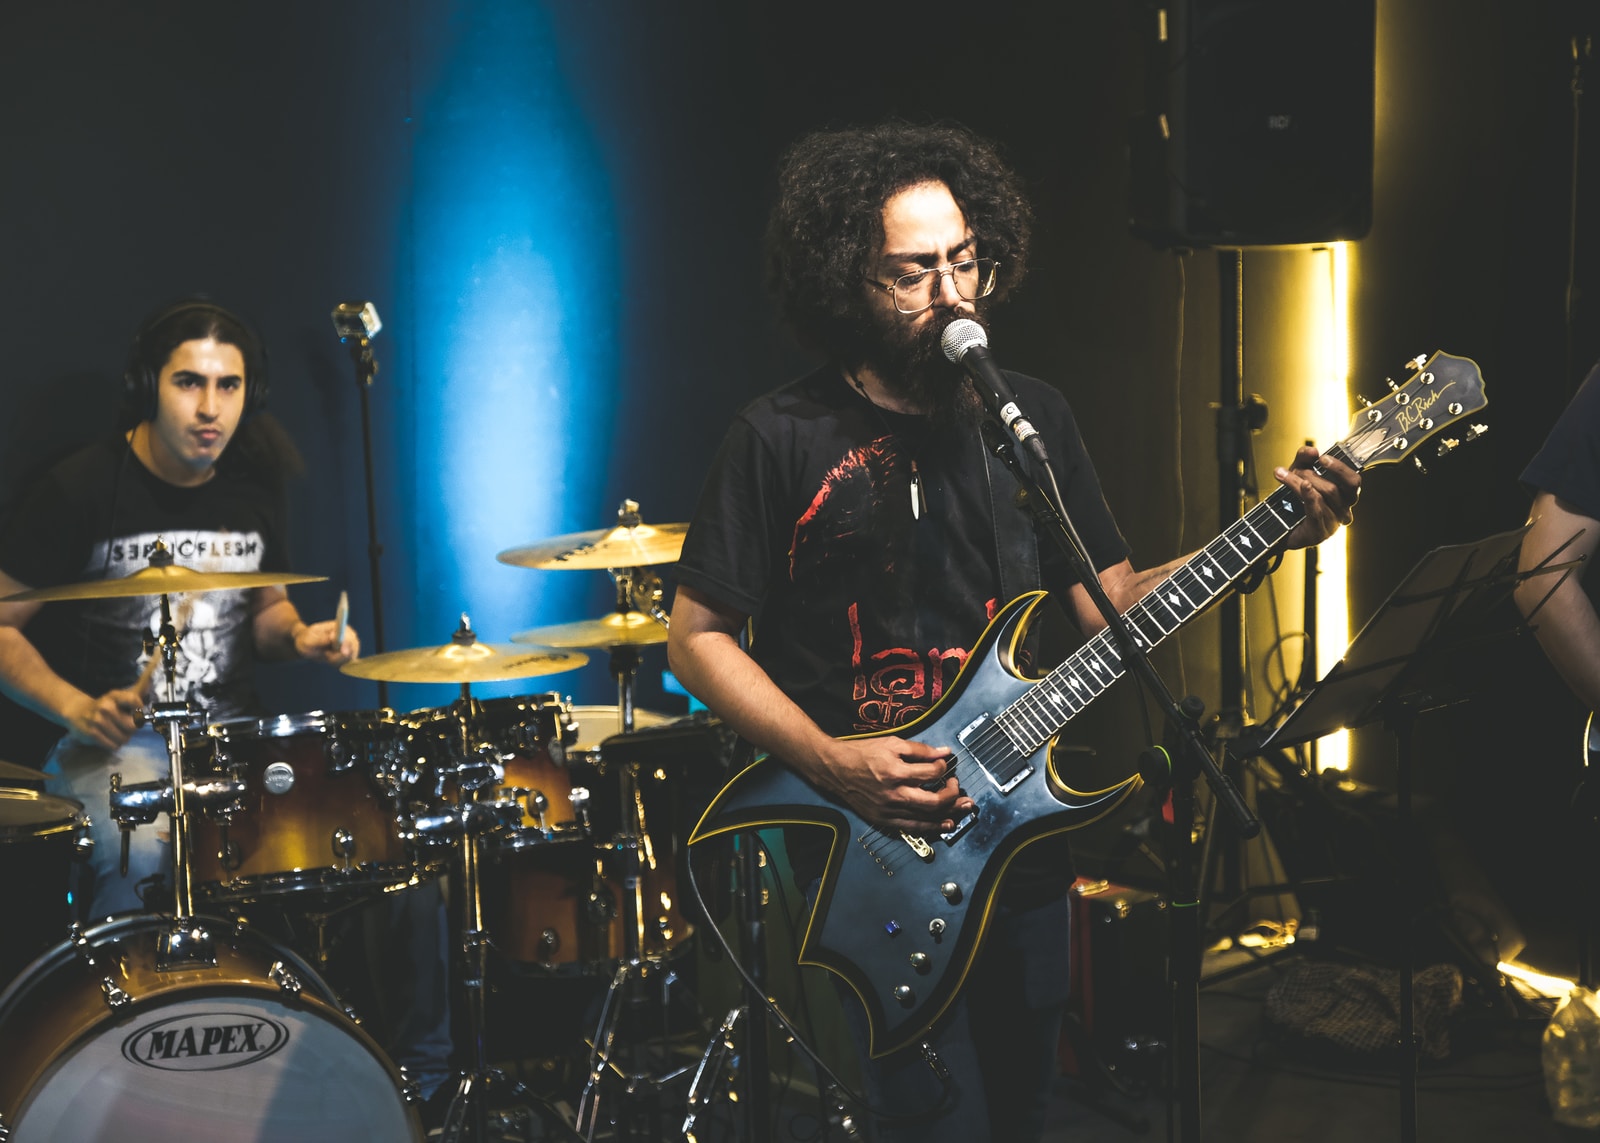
column 619, row 629
column 464, row 662
column 168, row 579
column 619, row 547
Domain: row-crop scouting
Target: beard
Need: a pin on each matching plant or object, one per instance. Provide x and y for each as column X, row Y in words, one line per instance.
column 911, row 364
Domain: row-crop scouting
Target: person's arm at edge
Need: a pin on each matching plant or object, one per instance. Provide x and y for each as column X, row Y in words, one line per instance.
column 1566, row 626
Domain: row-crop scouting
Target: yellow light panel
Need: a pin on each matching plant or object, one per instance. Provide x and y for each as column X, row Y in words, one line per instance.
column 1333, row 418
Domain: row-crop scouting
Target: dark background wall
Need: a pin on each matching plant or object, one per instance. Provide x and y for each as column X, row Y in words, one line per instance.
column 611, row 162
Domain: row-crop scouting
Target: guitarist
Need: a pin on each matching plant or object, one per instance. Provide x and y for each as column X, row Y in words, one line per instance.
column 857, row 517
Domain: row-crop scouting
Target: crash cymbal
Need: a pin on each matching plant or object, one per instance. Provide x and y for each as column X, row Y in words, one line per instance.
column 169, row 579
column 619, row 629
column 464, row 662
column 621, row 547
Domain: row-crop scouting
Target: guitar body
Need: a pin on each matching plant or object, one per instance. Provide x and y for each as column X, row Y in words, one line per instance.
column 885, row 920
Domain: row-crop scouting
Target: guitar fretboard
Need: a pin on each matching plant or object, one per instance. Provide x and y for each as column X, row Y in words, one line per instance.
column 1030, row 721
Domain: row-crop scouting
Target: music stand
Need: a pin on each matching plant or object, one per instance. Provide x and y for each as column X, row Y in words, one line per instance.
column 1411, row 658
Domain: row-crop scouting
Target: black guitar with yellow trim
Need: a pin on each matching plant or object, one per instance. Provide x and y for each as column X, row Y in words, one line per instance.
column 900, row 917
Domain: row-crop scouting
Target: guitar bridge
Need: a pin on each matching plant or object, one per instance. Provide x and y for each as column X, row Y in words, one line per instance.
column 919, row 846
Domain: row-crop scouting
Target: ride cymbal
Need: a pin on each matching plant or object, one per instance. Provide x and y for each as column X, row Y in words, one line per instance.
column 625, row 546
column 619, row 629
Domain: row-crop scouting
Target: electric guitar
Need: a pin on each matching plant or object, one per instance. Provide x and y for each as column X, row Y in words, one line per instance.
column 901, row 917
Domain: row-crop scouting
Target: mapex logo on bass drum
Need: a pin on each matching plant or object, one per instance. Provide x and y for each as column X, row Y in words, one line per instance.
column 205, row 1041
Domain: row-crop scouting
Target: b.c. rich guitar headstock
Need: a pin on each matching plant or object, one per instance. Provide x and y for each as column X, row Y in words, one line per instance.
column 1442, row 391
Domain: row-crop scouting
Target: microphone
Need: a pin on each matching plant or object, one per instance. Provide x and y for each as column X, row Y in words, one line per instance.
column 358, row 320
column 966, row 344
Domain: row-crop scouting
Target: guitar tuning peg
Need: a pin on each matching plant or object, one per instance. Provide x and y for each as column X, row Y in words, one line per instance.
column 1446, row 446
column 1476, row 431
column 1422, row 468
column 1365, row 404
column 1417, row 362
column 1389, row 381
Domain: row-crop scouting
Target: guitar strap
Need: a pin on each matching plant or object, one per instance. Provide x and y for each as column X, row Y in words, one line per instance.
column 1016, row 546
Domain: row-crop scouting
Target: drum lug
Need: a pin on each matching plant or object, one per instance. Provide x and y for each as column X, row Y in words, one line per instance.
column 280, row 975
column 229, row 855
column 580, row 806
column 185, row 947
column 410, row 1089
column 115, row 997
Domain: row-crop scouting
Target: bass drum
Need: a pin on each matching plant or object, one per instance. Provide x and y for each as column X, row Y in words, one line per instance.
column 96, row 1043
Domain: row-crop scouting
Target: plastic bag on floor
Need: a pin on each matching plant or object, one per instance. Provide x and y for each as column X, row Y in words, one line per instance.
column 1357, row 1008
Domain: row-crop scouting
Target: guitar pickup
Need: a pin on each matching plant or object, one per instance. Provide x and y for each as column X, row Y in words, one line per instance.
column 1006, row 785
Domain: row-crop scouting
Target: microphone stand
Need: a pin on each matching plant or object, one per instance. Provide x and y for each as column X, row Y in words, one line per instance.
column 367, row 369
column 1189, row 756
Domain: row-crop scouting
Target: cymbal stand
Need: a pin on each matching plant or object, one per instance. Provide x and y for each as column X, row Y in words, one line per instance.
column 467, row 1118
column 625, row 993
column 184, row 942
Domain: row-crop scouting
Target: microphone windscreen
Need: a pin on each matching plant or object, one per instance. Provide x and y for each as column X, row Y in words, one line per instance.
column 960, row 336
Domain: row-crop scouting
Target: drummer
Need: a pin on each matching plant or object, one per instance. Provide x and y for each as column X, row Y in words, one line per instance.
column 197, row 464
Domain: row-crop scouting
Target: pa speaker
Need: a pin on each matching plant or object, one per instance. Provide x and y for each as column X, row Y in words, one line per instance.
column 1258, row 125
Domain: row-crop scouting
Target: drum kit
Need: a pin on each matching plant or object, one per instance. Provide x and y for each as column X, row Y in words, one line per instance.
column 147, row 1026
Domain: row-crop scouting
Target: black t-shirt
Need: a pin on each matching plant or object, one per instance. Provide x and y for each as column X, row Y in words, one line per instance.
column 97, row 515
column 863, row 613
column 1568, row 464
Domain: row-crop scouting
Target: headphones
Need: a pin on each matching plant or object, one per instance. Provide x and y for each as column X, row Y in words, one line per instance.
column 141, row 377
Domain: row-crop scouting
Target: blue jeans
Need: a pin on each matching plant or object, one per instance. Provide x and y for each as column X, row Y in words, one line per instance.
column 417, row 930
column 74, row 770
column 998, row 1040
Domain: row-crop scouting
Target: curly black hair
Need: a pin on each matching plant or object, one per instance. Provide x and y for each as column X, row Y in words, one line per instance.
column 827, row 223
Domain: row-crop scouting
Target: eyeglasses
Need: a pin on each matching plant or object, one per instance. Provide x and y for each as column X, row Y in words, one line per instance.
column 973, row 278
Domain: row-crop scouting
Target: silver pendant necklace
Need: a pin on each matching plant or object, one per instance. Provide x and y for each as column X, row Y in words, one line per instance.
column 918, row 499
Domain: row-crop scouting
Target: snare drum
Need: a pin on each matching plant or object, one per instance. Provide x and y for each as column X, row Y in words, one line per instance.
column 322, row 811
column 39, row 834
column 96, row 1043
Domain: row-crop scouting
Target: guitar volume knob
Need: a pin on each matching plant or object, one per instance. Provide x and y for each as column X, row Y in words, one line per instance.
column 919, row 961
column 903, row 993
column 950, row 891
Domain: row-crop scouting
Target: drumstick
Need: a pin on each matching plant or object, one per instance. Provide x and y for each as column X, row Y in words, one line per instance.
column 342, row 618
column 142, row 687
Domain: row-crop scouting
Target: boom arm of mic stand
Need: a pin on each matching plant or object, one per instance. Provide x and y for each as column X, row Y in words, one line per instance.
column 1058, row 525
